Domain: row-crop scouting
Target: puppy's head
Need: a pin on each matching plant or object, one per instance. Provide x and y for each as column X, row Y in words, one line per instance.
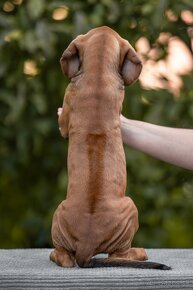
column 129, row 63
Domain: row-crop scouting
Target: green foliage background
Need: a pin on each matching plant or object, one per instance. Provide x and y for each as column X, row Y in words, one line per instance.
column 33, row 172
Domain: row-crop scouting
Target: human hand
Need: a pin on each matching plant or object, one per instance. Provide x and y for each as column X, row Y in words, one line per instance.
column 59, row 111
column 123, row 119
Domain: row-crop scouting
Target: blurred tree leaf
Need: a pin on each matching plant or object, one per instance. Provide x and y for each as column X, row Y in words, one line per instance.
column 33, row 156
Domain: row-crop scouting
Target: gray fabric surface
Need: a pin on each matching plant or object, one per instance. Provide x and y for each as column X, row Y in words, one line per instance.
column 31, row 269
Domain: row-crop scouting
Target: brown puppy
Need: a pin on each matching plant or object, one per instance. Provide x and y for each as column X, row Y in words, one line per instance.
column 96, row 216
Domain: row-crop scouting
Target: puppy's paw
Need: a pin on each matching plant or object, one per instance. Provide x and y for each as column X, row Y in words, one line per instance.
column 63, row 133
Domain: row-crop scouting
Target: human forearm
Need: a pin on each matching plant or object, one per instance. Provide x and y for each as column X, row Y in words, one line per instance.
column 168, row 144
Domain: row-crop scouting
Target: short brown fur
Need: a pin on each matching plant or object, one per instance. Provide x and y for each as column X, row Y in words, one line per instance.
column 96, row 216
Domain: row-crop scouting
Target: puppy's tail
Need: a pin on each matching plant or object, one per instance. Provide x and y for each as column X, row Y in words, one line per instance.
column 114, row 262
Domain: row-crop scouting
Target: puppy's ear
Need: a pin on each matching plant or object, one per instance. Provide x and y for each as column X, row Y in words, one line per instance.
column 131, row 65
column 70, row 62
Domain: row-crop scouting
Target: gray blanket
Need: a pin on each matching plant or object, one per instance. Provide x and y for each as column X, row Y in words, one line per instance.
column 31, row 269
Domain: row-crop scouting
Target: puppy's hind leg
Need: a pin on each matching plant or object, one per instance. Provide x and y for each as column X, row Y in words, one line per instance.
column 138, row 254
column 62, row 258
